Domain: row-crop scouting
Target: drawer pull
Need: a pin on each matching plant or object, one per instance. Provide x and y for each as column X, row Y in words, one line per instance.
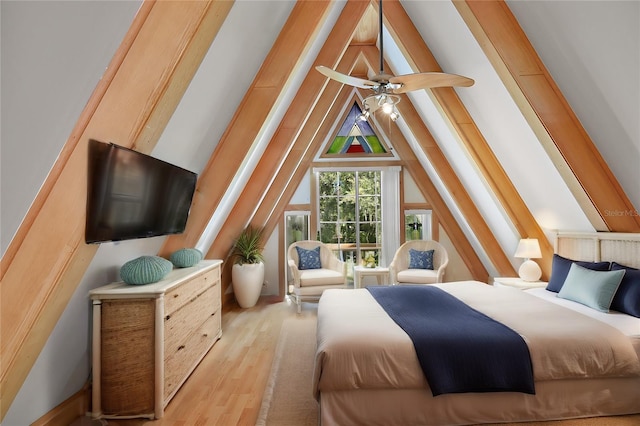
column 181, row 347
column 176, row 295
column 167, row 318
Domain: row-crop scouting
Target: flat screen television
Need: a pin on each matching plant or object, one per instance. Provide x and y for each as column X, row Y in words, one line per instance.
column 133, row 195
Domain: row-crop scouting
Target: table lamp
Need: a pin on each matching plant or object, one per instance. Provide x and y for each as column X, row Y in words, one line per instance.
column 528, row 248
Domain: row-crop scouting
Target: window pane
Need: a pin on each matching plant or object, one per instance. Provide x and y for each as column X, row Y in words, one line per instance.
column 348, row 208
column 328, row 209
column 369, row 183
column 346, row 182
column 328, row 232
column 369, row 234
column 417, row 225
column 328, row 183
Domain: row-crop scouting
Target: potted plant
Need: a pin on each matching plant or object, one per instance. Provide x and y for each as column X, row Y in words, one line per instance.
column 247, row 273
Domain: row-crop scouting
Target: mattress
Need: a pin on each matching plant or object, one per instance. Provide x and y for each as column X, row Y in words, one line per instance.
column 626, row 324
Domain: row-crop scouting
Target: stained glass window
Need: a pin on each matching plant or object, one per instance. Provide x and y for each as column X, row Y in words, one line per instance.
column 356, row 137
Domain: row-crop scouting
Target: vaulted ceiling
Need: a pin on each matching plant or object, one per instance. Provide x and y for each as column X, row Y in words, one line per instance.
column 282, row 120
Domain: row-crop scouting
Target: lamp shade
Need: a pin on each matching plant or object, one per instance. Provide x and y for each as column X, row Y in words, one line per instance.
column 528, row 248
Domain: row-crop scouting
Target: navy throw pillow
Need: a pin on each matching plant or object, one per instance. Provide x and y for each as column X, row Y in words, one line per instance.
column 420, row 259
column 627, row 298
column 560, row 268
column 309, row 259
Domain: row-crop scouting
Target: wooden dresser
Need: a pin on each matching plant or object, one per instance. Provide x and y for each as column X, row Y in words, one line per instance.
column 147, row 339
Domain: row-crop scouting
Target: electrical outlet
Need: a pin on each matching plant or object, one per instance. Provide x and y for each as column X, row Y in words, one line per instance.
column 265, row 284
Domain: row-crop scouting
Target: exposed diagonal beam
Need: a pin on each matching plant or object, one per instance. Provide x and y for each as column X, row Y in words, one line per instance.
column 569, row 146
column 278, row 68
column 447, row 174
column 48, row 257
column 421, row 59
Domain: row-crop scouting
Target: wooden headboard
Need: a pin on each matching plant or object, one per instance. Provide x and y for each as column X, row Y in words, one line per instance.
column 599, row 246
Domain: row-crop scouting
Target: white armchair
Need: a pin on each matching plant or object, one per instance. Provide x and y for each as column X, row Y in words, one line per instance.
column 401, row 273
column 319, row 270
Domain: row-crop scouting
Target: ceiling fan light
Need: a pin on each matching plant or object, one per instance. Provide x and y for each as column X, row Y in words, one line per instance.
column 387, row 108
column 394, row 115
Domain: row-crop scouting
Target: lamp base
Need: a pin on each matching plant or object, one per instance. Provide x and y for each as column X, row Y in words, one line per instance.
column 529, row 271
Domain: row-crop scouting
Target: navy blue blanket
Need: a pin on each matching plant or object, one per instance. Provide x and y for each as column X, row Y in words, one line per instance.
column 459, row 348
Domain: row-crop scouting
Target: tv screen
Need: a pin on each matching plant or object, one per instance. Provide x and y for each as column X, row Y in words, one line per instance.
column 133, row 195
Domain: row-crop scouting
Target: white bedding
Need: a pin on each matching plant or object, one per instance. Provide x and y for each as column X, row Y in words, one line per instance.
column 627, row 324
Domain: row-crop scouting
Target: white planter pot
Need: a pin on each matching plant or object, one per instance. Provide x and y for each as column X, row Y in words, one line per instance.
column 247, row 282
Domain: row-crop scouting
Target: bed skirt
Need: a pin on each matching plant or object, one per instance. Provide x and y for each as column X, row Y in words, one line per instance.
column 554, row 400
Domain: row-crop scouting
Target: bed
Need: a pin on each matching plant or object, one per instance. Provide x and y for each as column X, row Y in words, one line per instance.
column 585, row 362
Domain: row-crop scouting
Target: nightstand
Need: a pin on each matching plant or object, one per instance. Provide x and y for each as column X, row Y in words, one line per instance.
column 518, row 283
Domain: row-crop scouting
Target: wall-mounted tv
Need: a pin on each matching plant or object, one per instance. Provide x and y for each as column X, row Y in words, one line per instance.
column 133, row 195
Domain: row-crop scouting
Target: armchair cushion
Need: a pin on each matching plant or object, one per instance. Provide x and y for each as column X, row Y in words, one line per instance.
column 419, row 259
column 320, row 277
column 417, row 276
column 308, row 259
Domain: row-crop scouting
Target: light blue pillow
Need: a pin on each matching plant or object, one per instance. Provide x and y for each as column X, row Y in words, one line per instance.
column 420, row 259
column 591, row 288
column 308, row 259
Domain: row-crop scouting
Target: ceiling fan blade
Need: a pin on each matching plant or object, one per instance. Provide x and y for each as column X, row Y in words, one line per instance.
column 346, row 79
column 427, row 80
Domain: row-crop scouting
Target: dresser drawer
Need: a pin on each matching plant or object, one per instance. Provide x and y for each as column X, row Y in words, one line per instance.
column 180, row 323
column 182, row 361
column 177, row 297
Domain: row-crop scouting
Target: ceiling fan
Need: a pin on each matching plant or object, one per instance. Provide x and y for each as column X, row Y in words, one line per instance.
column 387, row 87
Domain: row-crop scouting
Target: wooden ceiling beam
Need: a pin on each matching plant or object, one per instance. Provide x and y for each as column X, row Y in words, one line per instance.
column 421, row 59
column 447, row 174
column 140, row 90
column 551, row 117
column 261, row 99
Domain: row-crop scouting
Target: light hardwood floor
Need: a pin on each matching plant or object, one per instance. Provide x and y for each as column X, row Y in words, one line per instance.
column 227, row 387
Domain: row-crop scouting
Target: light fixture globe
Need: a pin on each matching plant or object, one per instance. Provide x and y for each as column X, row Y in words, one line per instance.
column 529, row 271
column 383, row 101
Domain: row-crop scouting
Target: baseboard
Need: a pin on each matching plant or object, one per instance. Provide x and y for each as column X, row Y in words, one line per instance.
column 68, row 411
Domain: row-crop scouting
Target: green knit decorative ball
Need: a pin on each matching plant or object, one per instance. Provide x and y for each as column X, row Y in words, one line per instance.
column 186, row 257
column 145, row 270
